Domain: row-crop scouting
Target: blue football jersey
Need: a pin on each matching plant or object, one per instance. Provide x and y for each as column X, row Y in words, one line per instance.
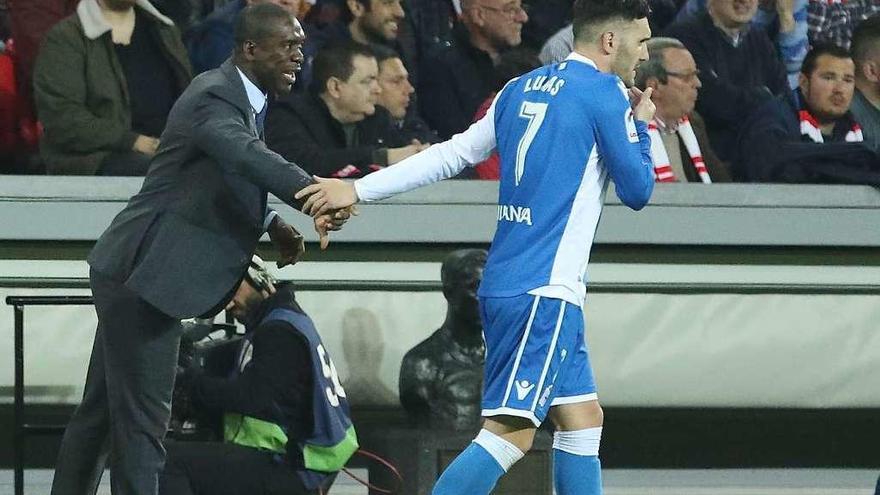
column 562, row 131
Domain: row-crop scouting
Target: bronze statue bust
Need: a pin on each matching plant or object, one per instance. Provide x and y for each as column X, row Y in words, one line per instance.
column 441, row 378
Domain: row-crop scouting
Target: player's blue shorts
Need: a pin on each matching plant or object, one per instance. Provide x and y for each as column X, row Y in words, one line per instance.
column 536, row 356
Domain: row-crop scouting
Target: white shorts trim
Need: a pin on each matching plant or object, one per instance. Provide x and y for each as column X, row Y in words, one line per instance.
column 522, row 347
column 558, row 401
column 508, row 411
column 550, row 354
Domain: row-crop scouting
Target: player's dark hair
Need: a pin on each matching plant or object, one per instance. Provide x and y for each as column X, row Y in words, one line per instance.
column 817, row 51
column 866, row 38
column 590, row 13
column 336, row 61
column 258, row 22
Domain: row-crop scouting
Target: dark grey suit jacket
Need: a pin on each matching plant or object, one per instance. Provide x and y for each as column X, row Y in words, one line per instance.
column 183, row 242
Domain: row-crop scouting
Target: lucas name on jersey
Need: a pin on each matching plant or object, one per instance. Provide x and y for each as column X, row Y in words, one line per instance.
column 545, row 84
column 518, row 214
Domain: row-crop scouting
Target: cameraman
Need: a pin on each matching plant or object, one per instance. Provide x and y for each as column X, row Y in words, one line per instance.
column 286, row 418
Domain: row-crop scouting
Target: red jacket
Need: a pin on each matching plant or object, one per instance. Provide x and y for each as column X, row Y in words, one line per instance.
column 490, row 168
column 31, row 20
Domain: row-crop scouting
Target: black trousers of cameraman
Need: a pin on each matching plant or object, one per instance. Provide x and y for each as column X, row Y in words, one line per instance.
column 214, row 468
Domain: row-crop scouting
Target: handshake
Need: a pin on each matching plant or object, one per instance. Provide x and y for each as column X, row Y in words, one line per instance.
column 330, row 202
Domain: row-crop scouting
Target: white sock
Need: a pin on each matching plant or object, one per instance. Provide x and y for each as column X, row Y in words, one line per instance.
column 580, row 442
column 504, row 452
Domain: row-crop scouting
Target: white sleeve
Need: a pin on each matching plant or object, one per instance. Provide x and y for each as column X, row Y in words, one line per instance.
column 436, row 163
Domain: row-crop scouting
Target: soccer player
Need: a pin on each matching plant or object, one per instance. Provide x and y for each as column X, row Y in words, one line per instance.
column 562, row 131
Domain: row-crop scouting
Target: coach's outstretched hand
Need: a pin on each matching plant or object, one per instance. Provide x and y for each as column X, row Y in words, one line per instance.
column 327, row 195
column 643, row 107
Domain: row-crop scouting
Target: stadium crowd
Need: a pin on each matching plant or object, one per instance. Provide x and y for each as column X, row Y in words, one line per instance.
column 746, row 90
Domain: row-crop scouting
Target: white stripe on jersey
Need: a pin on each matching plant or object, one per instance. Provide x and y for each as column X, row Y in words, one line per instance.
column 573, row 253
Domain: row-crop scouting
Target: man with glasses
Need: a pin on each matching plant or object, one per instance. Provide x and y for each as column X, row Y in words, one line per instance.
column 456, row 78
column 680, row 147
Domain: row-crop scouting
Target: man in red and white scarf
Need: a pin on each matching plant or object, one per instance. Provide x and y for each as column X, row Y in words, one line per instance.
column 827, row 83
column 680, row 147
column 812, row 136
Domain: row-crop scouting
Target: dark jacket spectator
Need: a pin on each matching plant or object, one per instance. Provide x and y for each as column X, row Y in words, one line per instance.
column 546, row 17
column 399, row 99
column 211, row 42
column 337, row 129
column 866, row 101
column 414, row 127
column 456, row 78
column 92, row 96
column 773, row 150
column 430, row 23
column 301, row 129
column 184, row 13
column 811, row 136
column 785, row 22
column 736, row 77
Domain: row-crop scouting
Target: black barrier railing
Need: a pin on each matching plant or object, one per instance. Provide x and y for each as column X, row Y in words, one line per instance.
column 22, row 429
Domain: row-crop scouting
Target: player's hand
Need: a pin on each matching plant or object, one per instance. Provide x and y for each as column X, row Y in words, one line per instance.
column 329, row 222
column 643, row 107
column 327, row 195
column 289, row 242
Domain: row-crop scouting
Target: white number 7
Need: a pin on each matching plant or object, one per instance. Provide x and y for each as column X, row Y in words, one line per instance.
column 534, row 113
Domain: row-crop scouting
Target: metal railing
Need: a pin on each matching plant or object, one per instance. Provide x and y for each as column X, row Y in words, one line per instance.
column 21, row 429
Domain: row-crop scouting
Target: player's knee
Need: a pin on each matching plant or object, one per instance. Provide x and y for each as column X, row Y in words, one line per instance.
column 524, row 443
column 579, row 442
column 518, row 431
column 595, row 414
column 503, row 449
column 578, row 416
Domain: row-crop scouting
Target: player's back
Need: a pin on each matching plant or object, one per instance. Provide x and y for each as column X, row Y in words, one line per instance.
column 552, row 181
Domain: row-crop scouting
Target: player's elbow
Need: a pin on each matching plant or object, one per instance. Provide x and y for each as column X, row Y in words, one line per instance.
column 636, row 199
column 635, row 203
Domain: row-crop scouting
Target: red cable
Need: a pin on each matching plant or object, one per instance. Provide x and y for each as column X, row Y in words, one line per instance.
column 385, row 463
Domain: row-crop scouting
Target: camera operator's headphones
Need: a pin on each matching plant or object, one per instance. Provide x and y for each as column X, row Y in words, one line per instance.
column 257, row 276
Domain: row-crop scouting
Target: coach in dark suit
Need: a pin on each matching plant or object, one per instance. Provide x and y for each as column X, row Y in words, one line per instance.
column 178, row 249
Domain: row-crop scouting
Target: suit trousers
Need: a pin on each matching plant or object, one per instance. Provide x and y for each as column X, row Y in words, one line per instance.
column 126, row 404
